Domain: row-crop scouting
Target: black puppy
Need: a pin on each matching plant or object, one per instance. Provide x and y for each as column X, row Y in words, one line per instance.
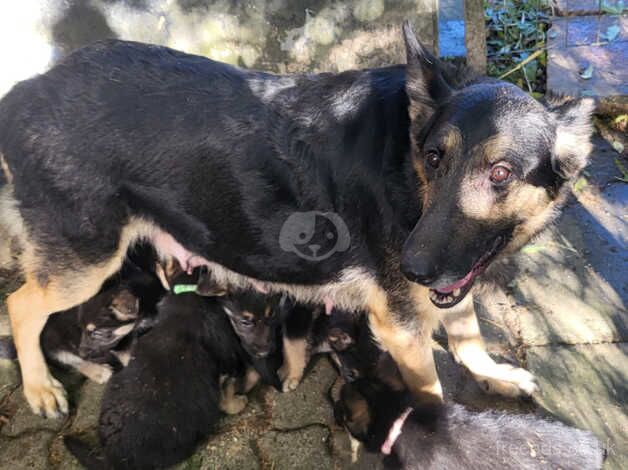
column 179, row 379
column 414, row 436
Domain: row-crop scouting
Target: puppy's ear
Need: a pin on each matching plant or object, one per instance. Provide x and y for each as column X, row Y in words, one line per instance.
column 425, row 83
column 574, row 127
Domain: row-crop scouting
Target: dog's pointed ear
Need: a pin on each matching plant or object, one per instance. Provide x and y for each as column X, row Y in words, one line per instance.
column 425, row 83
column 574, row 128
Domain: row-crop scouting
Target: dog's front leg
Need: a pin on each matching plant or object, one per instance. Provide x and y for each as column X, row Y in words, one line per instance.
column 410, row 346
column 467, row 346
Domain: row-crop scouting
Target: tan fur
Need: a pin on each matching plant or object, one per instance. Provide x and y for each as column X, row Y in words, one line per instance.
column 251, row 379
column 230, row 402
column 412, row 351
column 5, row 169
column 31, row 304
column 294, row 361
column 467, row 346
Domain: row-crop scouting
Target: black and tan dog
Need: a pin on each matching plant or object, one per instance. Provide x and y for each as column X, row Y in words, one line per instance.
column 387, row 189
column 448, row 436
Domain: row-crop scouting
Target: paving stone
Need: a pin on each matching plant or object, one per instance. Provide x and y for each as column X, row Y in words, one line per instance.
column 587, row 386
column 29, row 451
column 572, row 50
column 23, row 420
column 228, row 451
column 308, row 403
column 88, row 407
column 60, row 458
column 577, row 7
column 305, row 449
column 562, row 298
column 9, row 377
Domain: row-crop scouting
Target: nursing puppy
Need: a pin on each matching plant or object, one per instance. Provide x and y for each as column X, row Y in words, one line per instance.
column 309, row 330
column 417, row 436
column 180, row 379
column 388, row 190
column 94, row 337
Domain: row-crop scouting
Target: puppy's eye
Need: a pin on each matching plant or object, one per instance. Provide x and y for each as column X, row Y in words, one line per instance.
column 432, row 158
column 500, row 174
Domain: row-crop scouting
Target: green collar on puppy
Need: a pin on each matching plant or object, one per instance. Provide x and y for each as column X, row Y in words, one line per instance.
column 183, row 288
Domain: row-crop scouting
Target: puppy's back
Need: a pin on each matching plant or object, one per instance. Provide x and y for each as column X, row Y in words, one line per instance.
column 165, row 401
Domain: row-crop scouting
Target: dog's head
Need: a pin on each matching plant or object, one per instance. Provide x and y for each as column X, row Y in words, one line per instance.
column 494, row 167
column 105, row 320
column 255, row 319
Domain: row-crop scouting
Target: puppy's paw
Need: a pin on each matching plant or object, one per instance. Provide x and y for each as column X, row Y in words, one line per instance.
column 290, row 383
column 289, row 380
column 47, row 397
column 234, row 405
column 509, row 381
column 99, row 373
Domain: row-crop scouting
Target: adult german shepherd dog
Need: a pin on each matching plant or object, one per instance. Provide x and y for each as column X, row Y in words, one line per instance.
column 386, row 189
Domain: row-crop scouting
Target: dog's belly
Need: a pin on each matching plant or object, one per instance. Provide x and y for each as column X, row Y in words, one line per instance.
column 348, row 291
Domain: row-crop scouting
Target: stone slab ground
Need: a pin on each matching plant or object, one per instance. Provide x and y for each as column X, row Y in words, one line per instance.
column 588, row 55
column 561, row 313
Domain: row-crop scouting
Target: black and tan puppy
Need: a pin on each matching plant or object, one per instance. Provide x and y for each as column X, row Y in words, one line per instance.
column 309, row 330
column 94, row 337
column 180, row 379
column 436, row 437
column 388, row 190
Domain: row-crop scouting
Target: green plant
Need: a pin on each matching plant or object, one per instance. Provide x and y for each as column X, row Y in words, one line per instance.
column 516, row 40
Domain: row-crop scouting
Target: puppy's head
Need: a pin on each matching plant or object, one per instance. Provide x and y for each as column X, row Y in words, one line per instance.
column 494, row 165
column 255, row 320
column 105, row 320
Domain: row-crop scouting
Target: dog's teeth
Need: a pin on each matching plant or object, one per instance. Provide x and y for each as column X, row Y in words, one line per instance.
column 448, row 299
column 433, row 296
column 456, row 292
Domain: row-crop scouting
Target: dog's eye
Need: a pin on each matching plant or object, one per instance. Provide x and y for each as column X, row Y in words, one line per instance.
column 246, row 322
column 500, row 174
column 433, row 157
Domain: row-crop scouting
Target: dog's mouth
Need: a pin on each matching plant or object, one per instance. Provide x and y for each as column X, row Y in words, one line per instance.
column 448, row 296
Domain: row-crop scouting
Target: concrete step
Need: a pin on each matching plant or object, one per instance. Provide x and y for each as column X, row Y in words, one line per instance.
column 588, row 56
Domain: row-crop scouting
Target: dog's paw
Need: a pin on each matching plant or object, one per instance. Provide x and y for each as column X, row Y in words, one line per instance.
column 47, row 398
column 509, row 381
column 235, row 404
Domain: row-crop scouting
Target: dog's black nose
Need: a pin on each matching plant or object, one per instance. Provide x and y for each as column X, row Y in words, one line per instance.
column 419, row 270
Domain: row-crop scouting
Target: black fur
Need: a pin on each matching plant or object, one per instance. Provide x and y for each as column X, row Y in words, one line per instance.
column 166, row 401
column 451, row 437
column 221, row 157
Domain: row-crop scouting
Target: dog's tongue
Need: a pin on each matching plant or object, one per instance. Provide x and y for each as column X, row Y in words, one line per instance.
column 458, row 284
